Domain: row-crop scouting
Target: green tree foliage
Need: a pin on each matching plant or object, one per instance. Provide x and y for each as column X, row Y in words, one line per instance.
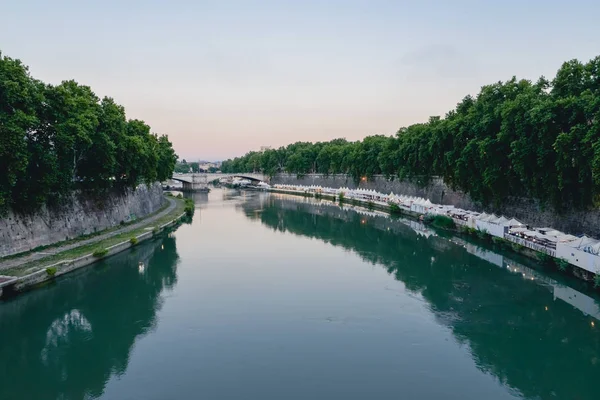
column 515, row 138
column 54, row 139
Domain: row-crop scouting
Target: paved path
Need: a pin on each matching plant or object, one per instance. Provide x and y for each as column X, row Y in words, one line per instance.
column 16, row 262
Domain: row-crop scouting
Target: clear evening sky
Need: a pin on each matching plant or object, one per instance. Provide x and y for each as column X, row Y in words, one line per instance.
column 224, row 77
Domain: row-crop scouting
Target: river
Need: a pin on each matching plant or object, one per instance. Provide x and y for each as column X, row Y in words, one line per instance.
column 268, row 296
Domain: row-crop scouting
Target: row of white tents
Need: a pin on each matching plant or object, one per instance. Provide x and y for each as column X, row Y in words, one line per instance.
column 583, row 252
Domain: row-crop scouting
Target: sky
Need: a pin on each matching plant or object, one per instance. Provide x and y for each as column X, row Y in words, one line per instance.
column 221, row 78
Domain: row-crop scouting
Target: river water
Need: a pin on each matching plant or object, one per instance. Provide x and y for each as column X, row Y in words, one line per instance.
column 275, row 297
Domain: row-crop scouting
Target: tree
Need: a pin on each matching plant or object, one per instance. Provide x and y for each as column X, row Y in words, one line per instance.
column 19, row 99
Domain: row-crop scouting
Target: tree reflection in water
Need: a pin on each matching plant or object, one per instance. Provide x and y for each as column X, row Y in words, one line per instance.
column 80, row 331
column 516, row 330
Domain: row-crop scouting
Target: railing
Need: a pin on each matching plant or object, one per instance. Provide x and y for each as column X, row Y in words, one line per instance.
column 530, row 245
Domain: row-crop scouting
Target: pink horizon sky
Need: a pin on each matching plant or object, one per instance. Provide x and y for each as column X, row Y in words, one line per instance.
column 223, row 78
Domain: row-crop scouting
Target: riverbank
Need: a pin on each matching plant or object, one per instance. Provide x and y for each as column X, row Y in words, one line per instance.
column 32, row 269
column 448, row 224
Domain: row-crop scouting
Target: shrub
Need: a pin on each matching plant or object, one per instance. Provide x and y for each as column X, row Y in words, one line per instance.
column 428, row 219
column 482, row 234
column 395, row 209
column 133, row 241
column 100, row 253
column 469, row 231
column 155, row 230
column 545, row 259
column 51, row 271
column 562, row 264
column 439, row 221
column 596, row 280
column 370, row 205
column 341, row 197
column 189, row 207
column 497, row 240
column 180, row 196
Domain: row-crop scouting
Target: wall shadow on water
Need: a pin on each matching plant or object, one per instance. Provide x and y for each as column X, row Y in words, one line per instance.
column 533, row 334
column 66, row 340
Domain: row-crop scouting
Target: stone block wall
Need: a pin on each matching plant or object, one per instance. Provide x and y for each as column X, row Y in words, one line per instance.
column 75, row 217
column 526, row 210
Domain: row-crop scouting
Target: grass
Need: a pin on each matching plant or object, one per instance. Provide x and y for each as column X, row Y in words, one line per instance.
column 92, row 248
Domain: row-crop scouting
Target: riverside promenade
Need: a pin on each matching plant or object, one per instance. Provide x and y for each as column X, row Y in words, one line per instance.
column 63, row 257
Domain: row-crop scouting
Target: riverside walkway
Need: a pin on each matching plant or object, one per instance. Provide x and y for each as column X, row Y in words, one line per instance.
column 18, row 261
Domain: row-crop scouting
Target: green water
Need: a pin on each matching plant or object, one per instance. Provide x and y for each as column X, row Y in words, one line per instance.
column 274, row 297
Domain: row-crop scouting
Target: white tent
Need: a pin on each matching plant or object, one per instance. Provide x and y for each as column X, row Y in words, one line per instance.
column 514, row 222
column 499, row 221
column 518, row 230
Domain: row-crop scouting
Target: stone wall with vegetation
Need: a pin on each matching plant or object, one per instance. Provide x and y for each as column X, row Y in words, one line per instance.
column 77, row 215
column 527, row 210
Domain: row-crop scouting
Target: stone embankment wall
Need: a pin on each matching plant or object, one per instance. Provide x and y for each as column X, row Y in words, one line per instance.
column 75, row 217
column 526, row 210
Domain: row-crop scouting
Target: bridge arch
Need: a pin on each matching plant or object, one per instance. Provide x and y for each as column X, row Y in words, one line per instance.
column 199, row 181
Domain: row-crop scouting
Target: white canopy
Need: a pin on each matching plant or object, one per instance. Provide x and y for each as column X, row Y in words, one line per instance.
column 582, row 242
column 518, row 230
column 514, row 222
column 566, row 238
column 499, row 221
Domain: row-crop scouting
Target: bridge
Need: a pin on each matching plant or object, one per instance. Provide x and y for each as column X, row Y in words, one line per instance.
column 199, row 181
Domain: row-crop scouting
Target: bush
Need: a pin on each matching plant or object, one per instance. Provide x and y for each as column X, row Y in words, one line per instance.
column 596, row 280
column 428, row 219
column 155, row 230
column 482, row 234
column 370, row 205
column 517, row 247
column 439, row 221
column 468, row 231
column 394, row 208
column 100, row 253
column 180, row 196
column 51, row 271
column 562, row 264
column 190, row 207
column 497, row 240
column 341, row 197
column 133, row 241
column 545, row 259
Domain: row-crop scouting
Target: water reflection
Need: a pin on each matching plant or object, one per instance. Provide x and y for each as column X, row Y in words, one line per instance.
column 70, row 338
column 199, row 198
column 531, row 332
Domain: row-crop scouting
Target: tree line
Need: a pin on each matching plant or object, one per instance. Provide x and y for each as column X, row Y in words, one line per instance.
column 516, row 138
column 54, row 139
column 184, row 167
